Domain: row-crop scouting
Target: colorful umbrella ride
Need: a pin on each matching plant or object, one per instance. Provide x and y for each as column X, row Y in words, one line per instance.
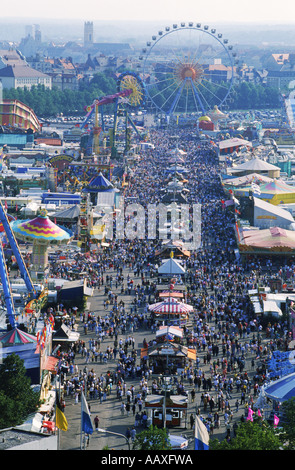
column 42, row 232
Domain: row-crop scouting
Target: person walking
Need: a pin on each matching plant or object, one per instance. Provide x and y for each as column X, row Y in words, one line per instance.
column 128, row 433
column 192, row 420
column 96, row 422
column 133, row 433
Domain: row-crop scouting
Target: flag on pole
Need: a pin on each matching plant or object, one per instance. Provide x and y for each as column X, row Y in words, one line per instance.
column 201, row 435
column 61, row 420
column 250, row 414
column 275, row 420
column 86, row 424
column 255, row 188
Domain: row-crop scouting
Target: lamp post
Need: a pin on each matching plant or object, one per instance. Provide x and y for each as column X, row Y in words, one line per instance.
column 115, row 434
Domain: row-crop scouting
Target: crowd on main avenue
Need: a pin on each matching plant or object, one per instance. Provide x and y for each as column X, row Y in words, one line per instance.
column 232, row 343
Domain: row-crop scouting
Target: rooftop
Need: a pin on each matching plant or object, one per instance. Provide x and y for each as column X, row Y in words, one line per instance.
column 21, row 71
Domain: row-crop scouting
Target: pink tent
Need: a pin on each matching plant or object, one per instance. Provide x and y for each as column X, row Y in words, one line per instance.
column 274, row 237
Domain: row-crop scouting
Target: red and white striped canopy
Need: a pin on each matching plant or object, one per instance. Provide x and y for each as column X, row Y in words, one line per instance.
column 170, row 306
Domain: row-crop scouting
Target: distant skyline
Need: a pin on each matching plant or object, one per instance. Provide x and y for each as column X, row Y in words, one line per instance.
column 213, row 11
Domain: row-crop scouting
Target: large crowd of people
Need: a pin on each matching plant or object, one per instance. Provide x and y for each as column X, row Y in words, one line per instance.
column 232, row 343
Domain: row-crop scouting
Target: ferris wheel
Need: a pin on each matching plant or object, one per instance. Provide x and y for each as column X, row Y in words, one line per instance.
column 188, row 69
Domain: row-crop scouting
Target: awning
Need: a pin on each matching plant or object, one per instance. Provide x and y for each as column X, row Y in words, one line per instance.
column 171, row 294
column 191, row 354
column 50, row 364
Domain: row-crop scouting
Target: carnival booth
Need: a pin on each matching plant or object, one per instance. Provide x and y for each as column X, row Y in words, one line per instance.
column 170, row 312
column 168, row 356
column 229, row 146
column 98, row 185
column 65, row 337
column 178, row 249
column 169, row 333
column 173, row 407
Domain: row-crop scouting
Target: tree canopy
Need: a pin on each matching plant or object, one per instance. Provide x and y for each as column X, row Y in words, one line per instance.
column 48, row 103
column 256, row 435
column 152, row 438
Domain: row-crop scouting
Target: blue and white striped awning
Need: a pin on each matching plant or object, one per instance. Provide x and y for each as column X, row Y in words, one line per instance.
column 282, row 389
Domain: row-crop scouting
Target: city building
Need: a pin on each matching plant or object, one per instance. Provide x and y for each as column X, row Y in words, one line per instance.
column 21, row 76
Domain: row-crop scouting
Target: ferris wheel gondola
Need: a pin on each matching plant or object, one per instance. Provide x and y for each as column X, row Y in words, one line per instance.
column 187, row 68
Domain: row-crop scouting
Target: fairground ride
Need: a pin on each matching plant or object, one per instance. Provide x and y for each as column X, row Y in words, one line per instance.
column 188, row 69
column 8, row 297
column 130, row 95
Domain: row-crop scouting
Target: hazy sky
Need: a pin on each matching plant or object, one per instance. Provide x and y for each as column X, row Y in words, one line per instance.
column 266, row 11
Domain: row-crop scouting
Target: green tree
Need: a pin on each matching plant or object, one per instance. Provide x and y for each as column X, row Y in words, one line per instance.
column 288, row 425
column 256, row 435
column 17, row 399
column 152, row 439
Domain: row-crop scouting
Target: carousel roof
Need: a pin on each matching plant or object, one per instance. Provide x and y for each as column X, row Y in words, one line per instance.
column 41, row 229
column 276, row 187
column 16, row 337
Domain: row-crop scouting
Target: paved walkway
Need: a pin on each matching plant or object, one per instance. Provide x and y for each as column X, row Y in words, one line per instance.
column 109, row 411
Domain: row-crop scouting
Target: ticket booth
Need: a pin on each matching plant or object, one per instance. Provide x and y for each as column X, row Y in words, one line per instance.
column 173, row 406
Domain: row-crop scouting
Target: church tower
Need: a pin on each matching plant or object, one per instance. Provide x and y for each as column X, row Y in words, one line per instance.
column 88, row 33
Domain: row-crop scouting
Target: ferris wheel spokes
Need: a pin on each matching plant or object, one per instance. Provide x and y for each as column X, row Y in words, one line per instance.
column 190, row 69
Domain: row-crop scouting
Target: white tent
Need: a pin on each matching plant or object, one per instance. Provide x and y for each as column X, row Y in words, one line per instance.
column 255, row 165
column 271, row 307
column 171, row 266
column 268, row 215
column 169, row 330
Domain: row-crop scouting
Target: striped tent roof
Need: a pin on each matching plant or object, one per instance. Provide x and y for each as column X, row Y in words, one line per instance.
column 16, row 337
column 41, row 229
column 170, row 306
column 276, row 187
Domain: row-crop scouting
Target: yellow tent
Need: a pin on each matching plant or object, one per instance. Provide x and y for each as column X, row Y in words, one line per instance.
column 277, row 192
